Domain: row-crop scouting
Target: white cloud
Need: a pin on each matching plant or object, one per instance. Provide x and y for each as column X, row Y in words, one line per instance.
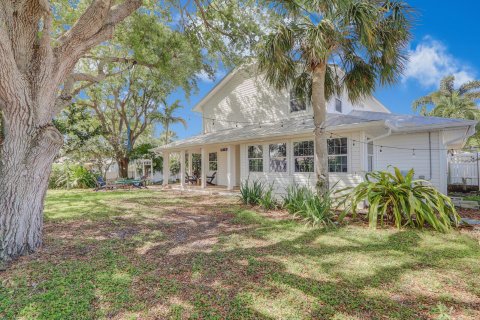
column 430, row 61
column 204, row 77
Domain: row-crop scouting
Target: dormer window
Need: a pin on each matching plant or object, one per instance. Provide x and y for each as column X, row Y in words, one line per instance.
column 338, row 105
column 297, row 103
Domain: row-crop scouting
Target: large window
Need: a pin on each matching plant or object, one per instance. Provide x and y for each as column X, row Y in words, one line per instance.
column 255, row 158
column 212, row 161
column 297, row 103
column 303, row 152
column 278, row 157
column 337, row 155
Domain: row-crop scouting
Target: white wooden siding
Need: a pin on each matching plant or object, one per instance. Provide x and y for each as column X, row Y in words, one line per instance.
column 247, row 98
column 221, row 177
column 420, row 162
column 357, row 162
column 281, row 180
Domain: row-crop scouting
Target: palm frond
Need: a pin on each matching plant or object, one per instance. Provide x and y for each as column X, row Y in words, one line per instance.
column 468, row 86
column 447, row 85
column 420, row 105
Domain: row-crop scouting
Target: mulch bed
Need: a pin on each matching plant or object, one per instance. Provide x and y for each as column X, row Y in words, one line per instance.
column 469, row 213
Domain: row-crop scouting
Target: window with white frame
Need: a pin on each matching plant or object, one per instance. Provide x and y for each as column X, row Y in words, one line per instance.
column 370, row 156
column 303, row 152
column 255, row 158
column 212, row 161
column 278, row 157
column 337, row 155
column 338, row 105
column 297, row 103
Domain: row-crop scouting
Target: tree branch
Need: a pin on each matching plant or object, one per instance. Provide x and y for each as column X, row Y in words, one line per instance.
column 121, row 60
column 94, row 26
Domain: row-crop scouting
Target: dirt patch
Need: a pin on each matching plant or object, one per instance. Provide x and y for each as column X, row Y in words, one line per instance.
column 469, row 213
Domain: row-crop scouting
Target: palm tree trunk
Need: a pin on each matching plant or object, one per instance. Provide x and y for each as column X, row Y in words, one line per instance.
column 320, row 116
column 167, row 138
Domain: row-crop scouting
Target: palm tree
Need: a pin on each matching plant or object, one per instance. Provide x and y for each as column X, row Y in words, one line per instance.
column 449, row 102
column 164, row 139
column 332, row 45
column 167, row 117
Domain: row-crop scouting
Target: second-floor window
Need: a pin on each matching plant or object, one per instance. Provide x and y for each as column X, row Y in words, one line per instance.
column 255, row 158
column 297, row 103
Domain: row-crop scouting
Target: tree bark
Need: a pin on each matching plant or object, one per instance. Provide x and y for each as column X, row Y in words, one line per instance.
column 319, row 107
column 26, row 158
column 33, row 69
column 123, row 162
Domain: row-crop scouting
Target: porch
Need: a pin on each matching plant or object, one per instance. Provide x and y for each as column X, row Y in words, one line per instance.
column 209, row 190
column 212, row 167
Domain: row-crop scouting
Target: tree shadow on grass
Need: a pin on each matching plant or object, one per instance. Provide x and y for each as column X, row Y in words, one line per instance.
column 192, row 269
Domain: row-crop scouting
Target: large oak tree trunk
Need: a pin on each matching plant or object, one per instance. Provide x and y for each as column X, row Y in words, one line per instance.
column 319, row 107
column 36, row 81
column 26, row 158
column 123, row 166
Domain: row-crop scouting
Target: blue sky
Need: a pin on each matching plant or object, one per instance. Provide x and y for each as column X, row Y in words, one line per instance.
column 446, row 40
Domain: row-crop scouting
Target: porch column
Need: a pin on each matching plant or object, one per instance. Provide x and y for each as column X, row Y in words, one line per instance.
column 182, row 169
column 190, row 165
column 166, row 167
column 231, row 167
column 204, row 167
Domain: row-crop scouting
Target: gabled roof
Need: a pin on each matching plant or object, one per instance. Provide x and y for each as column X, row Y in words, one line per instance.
column 335, row 122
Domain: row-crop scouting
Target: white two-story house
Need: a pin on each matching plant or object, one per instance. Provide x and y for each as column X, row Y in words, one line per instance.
column 252, row 131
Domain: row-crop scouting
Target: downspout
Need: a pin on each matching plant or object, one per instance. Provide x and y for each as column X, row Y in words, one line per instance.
column 430, row 153
column 389, row 132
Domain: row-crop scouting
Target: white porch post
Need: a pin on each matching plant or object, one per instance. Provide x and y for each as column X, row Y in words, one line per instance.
column 231, row 167
column 182, row 169
column 204, row 167
column 166, row 167
column 190, row 165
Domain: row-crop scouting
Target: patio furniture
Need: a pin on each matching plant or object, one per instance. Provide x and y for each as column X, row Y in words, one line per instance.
column 142, row 183
column 103, row 185
column 190, row 179
column 131, row 183
column 211, row 178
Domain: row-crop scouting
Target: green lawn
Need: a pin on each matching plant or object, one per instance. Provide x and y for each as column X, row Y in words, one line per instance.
column 163, row 255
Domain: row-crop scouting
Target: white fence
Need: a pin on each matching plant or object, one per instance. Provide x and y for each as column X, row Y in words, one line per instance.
column 463, row 169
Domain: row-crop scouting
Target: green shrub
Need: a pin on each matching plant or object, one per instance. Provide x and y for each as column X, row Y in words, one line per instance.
column 268, row 200
column 66, row 176
column 251, row 193
column 402, row 200
column 55, row 181
column 303, row 202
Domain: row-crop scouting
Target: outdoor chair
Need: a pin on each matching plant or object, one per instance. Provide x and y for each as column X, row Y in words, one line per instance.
column 211, row 178
column 190, row 179
column 141, row 184
column 103, row 185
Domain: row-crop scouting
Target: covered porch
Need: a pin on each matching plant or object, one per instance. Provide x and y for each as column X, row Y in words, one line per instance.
column 213, row 167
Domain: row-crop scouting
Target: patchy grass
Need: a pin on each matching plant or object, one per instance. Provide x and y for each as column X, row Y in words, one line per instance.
column 163, row 255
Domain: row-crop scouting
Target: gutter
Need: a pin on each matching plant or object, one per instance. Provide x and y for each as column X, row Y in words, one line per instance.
column 340, row 128
column 468, row 133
